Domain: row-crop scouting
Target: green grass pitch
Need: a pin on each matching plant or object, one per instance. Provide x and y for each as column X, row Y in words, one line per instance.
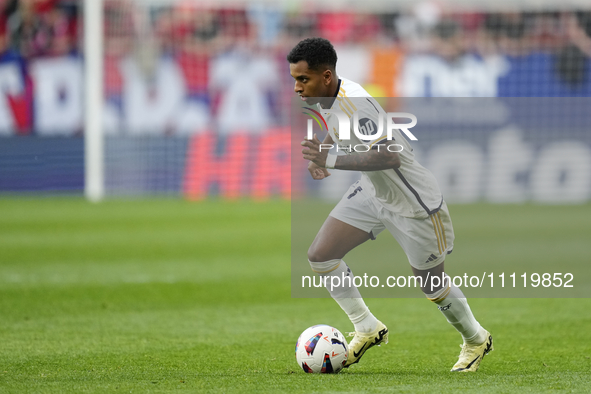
column 168, row 296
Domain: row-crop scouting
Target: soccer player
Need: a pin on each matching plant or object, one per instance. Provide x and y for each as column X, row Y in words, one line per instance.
column 395, row 192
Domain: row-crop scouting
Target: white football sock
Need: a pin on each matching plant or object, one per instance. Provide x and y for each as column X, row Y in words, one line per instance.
column 452, row 303
column 339, row 283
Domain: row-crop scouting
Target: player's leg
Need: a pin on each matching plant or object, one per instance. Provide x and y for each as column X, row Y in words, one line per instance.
column 427, row 242
column 334, row 240
column 451, row 302
column 453, row 305
column 350, row 224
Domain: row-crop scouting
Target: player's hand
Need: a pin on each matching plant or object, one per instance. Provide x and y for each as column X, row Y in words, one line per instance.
column 313, row 153
column 317, row 172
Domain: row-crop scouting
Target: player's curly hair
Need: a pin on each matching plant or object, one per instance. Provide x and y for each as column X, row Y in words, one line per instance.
column 315, row 51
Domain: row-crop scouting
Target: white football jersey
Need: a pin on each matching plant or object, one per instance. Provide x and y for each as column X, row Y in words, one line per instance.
column 410, row 190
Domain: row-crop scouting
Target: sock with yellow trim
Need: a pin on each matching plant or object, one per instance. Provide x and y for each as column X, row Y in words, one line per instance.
column 452, row 303
column 344, row 292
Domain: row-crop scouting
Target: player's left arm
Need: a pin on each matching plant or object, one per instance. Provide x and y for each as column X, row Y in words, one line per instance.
column 373, row 160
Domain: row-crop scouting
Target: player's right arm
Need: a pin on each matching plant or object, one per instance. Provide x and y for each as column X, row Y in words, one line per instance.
column 316, row 171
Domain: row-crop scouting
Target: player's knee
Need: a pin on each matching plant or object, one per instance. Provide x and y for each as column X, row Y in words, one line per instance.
column 313, row 255
column 433, row 280
column 439, row 293
column 431, row 287
column 316, row 253
column 324, row 267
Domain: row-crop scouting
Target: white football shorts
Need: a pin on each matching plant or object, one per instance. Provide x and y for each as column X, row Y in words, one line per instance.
column 426, row 242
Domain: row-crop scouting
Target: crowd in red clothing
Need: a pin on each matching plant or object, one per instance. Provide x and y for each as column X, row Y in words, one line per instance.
column 51, row 28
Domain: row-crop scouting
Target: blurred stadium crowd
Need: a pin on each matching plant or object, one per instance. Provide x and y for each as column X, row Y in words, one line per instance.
column 182, row 68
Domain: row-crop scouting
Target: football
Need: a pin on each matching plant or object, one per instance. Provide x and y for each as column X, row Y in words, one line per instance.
column 321, row 349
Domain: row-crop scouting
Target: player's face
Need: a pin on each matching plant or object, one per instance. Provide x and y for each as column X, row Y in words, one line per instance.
column 310, row 84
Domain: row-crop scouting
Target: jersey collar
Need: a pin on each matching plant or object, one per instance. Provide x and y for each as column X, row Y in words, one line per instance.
column 335, row 94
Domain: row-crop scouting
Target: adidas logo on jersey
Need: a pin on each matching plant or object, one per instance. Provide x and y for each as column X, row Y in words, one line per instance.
column 431, row 258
